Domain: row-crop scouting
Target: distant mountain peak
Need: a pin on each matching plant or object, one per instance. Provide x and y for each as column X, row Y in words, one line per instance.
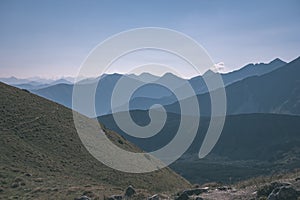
column 145, row 74
column 277, row 60
column 209, row 73
column 169, row 74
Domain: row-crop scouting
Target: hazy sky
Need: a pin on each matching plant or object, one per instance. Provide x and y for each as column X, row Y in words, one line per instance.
column 52, row 38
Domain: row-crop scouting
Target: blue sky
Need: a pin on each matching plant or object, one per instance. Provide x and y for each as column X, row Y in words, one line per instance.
column 52, row 38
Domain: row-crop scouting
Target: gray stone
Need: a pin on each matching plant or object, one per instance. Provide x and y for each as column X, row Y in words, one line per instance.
column 129, row 191
column 196, row 191
column 266, row 190
column 283, row 193
column 15, row 185
column 115, row 197
column 272, row 197
column 83, row 198
column 28, row 174
column 199, row 198
column 154, row 197
column 183, row 196
column 224, row 188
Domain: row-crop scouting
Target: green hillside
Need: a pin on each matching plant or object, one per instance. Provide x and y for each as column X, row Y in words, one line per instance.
column 42, row 156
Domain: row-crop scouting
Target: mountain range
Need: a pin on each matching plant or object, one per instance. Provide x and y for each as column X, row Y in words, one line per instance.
column 43, row 157
column 275, row 92
column 260, row 136
column 60, row 91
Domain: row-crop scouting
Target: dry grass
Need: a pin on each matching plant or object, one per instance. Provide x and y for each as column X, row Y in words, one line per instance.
column 38, row 137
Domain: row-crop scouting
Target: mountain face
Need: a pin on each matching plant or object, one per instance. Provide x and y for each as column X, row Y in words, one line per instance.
column 274, row 92
column 252, row 70
column 148, row 94
column 249, row 70
column 42, row 156
column 34, row 81
column 250, row 145
column 143, row 97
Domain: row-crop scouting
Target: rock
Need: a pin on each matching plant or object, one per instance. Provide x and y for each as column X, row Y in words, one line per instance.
column 1, row 189
column 266, row 190
column 297, row 179
column 15, row 185
column 183, row 196
column 154, row 197
column 83, row 198
column 212, row 185
column 27, row 174
column 18, row 179
column 191, row 192
column 224, row 188
column 196, row 191
column 38, row 180
column 88, row 193
column 54, row 189
column 199, row 198
column 272, row 197
column 115, row 197
column 25, row 90
column 205, row 188
column 129, row 191
column 283, row 193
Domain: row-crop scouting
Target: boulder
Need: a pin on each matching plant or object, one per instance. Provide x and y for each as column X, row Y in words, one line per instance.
column 183, row 196
column 224, row 188
column 283, row 193
column 130, row 191
column 266, row 190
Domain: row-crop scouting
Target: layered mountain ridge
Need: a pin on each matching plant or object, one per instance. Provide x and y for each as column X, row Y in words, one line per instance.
column 149, row 94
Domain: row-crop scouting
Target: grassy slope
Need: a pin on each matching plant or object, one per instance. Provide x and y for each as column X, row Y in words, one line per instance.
column 39, row 137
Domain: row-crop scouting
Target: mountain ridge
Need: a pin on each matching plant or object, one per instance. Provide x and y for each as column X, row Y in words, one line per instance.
column 256, row 94
column 60, row 94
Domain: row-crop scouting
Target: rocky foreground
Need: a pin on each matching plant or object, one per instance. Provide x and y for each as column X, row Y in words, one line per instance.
column 281, row 187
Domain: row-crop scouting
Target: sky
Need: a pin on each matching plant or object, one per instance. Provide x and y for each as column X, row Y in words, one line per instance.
column 51, row 39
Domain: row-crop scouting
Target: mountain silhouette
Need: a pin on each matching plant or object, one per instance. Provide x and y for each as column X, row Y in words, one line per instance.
column 274, row 92
column 148, row 94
